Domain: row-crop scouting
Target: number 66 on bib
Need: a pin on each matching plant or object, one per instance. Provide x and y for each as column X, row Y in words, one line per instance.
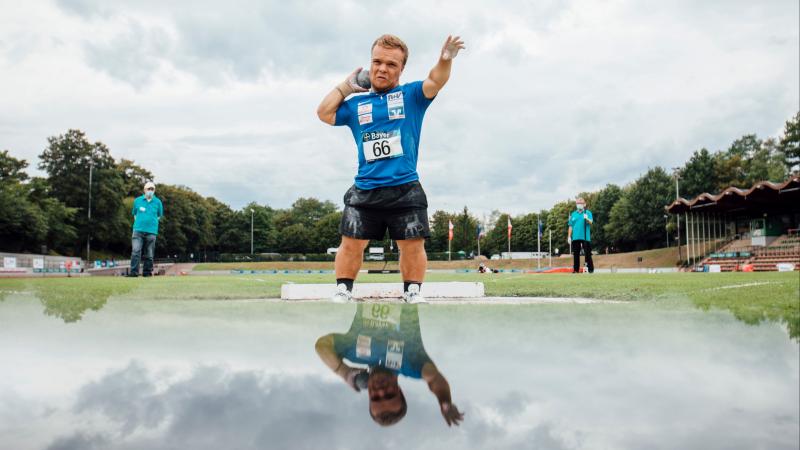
column 381, row 145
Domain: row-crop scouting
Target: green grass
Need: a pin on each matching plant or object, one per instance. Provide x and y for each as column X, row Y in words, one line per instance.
column 751, row 297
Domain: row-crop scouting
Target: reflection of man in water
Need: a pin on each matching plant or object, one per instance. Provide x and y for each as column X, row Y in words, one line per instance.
column 386, row 338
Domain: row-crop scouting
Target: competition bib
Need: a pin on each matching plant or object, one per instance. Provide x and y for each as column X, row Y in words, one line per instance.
column 381, row 315
column 381, row 145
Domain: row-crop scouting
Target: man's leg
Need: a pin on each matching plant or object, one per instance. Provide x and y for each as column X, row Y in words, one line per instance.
column 136, row 252
column 349, row 257
column 413, row 259
column 149, row 251
column 576, row 256
column 587, row 251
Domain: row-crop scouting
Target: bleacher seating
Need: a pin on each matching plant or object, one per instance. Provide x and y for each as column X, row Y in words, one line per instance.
column 739, row 253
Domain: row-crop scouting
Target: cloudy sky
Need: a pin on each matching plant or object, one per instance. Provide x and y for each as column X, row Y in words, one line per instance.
column 549, row 99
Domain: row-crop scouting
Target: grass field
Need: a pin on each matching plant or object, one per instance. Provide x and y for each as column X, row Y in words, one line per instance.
column 751, row 297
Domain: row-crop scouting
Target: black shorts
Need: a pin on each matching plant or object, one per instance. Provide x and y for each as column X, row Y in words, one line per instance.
column 403, row 210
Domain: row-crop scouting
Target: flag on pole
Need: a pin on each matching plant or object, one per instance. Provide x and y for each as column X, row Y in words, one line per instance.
column 450, row 230
column 541, row 229
column 509, row 227
column 480, row 231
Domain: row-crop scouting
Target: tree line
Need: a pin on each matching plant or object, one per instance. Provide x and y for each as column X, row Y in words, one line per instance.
column 53, row 211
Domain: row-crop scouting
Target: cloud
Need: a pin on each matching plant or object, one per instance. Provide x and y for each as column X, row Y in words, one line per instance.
column 550, row 98
column 214, row 407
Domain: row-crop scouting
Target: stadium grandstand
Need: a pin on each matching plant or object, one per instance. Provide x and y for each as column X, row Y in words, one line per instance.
column 756, row 229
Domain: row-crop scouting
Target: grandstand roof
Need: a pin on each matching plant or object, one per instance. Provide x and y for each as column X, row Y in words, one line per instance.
column 763, row 197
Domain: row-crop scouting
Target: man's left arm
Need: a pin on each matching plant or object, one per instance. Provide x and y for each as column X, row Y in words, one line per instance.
column 440, row 73
column 439, row 386
column 588, row 217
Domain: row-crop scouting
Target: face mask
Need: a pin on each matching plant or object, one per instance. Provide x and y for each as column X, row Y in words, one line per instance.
column 580, row 206
column 148, row 195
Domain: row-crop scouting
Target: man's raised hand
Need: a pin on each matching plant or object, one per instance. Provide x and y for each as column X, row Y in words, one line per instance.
column 451, row 47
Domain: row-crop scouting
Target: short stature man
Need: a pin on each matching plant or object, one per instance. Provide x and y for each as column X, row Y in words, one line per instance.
column 147, row 211
column 386, row 122
column 387, row 339
column 579, row 235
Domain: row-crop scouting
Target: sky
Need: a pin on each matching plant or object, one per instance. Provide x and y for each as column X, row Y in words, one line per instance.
column 549, row 99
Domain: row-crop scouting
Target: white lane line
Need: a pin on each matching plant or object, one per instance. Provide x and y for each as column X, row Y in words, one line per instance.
column 737, row 286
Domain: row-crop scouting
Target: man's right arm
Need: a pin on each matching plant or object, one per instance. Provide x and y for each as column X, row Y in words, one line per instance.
column 326, row 111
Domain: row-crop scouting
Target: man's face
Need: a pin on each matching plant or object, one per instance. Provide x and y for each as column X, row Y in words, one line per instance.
column 384, row 393
column 386, row 67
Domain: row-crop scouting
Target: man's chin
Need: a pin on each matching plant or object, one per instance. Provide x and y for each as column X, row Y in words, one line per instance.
column 381, row 87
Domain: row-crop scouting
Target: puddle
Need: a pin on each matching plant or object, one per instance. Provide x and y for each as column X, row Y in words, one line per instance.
column 527, row 373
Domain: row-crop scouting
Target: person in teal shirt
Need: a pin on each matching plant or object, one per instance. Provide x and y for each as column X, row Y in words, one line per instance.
column 579, row 235
column 147, row 211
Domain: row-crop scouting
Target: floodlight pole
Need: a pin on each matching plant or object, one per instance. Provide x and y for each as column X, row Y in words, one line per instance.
column 251, row 230
column 538, row 245
column 89, row 212
column 677, row 172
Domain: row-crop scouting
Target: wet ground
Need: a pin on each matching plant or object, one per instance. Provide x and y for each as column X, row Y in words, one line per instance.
column 257, row 374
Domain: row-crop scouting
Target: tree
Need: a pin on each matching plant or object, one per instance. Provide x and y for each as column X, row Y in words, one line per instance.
column 187, row 226
column 557, row 219
column 231, row 231
column 67, row 161
column 439, row 223
column 30, row 216
column 12, row 170
column 295, row 239
column 497, row 238
column 326, row 232
column 133, row 177
column 789, row 144
column 60, row 234
column 637, row 219
column 766, row 164
column 698, row 175
column 465, row 228
column 601, row 206
column 307, row 211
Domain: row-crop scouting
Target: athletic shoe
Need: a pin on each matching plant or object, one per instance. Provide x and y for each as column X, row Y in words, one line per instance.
column 413, row 296
column 342, row 295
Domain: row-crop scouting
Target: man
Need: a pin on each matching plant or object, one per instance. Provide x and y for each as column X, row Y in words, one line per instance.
column 387, row 339
column 579, row 235
column 386, row 124
column 147, row 211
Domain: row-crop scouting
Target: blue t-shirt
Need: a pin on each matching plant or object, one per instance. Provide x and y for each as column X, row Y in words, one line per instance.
column 581, row 229
column 146, row 214
column 385, row 336
column 386, row 127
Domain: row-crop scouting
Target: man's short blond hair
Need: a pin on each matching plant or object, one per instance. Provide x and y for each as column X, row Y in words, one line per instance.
column 392, row 41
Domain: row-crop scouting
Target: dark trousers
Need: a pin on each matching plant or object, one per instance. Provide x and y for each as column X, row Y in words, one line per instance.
column 142, row 243
column 576, row 254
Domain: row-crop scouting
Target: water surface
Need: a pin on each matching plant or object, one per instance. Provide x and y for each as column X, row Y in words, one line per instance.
column 245, row 374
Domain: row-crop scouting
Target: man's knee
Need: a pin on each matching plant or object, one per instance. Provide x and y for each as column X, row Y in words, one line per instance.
column 350, row 246
column 411, row 247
